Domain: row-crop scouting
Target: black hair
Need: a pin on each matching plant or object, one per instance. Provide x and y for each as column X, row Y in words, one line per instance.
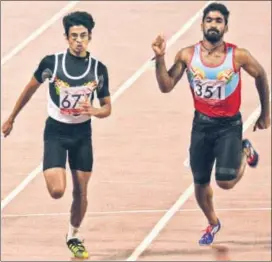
column 216, row 7
column 78, row 18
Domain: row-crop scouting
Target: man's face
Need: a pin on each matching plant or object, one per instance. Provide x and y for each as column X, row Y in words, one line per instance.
column 78, row 39
column 214, row 27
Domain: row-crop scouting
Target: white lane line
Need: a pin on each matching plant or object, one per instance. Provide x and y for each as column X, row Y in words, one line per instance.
column 119, row 92
column 128, row 212
column 21, row 186
column 181, row 200
column 161, row 224
column 38, row 32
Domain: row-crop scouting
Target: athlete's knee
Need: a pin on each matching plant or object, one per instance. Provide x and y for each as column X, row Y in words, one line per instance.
column 201, row 179
column 80, row 194
column 77, row 193
column 55, row 181
column 225, row 184
column 201, row 176
column 56, row 193
column 225, row 177
column 226, row 180
column 199, row 189
column 56, row 190
column 80, row 184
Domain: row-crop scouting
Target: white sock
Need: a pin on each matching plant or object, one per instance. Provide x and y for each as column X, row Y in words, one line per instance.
column 72, row 232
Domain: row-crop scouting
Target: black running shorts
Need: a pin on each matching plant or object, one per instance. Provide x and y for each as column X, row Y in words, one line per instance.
column 215, row 140
column 74, row 139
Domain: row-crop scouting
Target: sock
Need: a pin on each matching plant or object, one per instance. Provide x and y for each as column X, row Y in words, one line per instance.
column 72, row 232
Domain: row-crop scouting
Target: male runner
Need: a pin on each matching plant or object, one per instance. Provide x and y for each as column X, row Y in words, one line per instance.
column 213, row 69
column 74, row 75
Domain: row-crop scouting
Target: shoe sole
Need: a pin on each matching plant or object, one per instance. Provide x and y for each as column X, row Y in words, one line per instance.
column 81, row 257
column 204, row 245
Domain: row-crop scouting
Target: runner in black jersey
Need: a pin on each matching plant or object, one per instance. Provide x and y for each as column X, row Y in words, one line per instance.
column 74, row 76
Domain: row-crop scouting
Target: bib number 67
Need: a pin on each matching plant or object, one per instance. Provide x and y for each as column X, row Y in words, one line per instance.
column 71, row 103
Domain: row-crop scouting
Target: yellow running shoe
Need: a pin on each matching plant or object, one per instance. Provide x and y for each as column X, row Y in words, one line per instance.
column 77, row 248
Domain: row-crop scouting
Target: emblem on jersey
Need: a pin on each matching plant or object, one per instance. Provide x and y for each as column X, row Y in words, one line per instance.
column 225, row 75
column 62, row 84
column 91, row 85
column 196, row 73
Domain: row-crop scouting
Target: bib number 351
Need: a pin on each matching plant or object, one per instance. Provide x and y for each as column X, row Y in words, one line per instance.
column 210, row 91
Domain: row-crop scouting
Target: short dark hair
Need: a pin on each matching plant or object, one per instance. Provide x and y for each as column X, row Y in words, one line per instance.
column 217, row 7
column 78, row 18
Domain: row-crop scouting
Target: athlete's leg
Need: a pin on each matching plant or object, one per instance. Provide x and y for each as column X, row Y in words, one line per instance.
column 55, row 179
column 80, row 202
column 204, row 197
column 230, row 157
column 201, row 162
column 81, row 162
column 54, row 167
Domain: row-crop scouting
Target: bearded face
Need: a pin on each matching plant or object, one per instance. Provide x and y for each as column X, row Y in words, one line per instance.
column 214, row 27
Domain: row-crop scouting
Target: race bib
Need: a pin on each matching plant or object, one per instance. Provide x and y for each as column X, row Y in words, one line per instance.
column 70, row 98
column 210, row 89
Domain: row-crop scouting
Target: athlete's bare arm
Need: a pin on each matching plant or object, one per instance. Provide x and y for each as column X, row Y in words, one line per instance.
column 102, row 94
column 245, row 60
column 102, row 112
column 168, row 79
column 105, row 109
column 27, row 93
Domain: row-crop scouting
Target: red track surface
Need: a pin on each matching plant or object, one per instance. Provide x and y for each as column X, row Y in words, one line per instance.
column 139, row 150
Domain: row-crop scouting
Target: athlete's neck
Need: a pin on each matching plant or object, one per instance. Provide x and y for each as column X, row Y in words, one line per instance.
column 211, row 47
column 80, row 54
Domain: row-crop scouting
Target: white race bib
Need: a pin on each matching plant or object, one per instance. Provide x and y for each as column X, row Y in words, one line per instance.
column 70, row 97
column 210, row 89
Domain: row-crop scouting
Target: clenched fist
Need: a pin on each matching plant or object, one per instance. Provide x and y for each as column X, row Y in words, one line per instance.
column 263, row 122
column 159, row 45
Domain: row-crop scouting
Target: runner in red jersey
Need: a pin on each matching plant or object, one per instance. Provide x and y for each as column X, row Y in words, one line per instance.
column 213, row 70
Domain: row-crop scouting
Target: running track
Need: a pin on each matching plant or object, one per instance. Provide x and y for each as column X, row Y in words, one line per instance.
column 141, row 204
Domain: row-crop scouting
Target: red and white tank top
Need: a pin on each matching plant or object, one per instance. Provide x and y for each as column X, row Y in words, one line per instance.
column 216, row 89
